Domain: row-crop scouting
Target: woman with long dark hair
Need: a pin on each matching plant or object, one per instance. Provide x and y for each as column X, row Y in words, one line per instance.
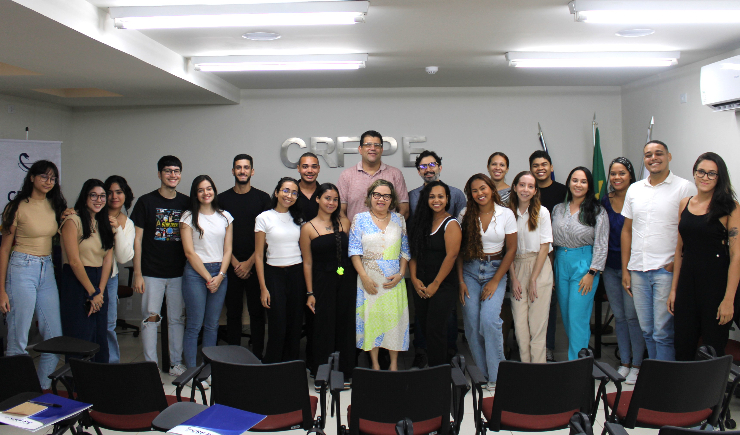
column 531, row 271
column 27, row 285
column 206, row 234
column 489, row 243
column 435, row 243
column 498, row 167
column 627, row 327
column 580, row 232
column 87, row 255
column 707, row 261
column 280, row 274
column 120, row 196
column 330, row 281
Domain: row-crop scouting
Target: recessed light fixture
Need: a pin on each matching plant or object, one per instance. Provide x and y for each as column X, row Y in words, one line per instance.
column 239, row 15
column 656, row 12
column 635, row 33
column 261, row 36
column 592, row 59
column 279, row 62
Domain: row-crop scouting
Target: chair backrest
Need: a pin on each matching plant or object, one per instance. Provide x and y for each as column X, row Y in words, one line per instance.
column 672, row 430
column 119, row 389
column 388, row 397
column 19, row 376
column 680, row 387
column 267, row 389
column 542, row 389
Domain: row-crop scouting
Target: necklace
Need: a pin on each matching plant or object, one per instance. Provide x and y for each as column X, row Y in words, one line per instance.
column 379, row 219
column 119, row 213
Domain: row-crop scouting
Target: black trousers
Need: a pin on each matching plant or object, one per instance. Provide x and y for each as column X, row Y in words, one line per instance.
column 285, row 315
column 701, row 289
column 235, row 289
column 75, row 321
column 434, row 315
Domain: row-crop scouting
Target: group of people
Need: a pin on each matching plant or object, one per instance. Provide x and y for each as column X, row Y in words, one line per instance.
column 337, row 255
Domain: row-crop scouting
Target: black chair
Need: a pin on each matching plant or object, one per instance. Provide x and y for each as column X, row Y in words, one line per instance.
column 382, row 398
column 687, row 393
column 617, row 429
column 532, row 397
column 68, row 347
column 126, row 291
column 580, row 424
column 125, row 397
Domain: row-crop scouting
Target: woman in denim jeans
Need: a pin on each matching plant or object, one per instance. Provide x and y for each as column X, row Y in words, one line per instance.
column 27, row 281
column 206, row 233
column 488, row 248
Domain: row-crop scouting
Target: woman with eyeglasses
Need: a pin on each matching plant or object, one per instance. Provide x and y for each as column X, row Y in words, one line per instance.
column 27, row 285
column 498, row 167
column 281, row 274
column 87, row 257
column 379, row 248
column 707, row 261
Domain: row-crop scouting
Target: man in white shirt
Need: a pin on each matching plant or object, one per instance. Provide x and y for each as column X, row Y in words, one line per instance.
column 649, row 239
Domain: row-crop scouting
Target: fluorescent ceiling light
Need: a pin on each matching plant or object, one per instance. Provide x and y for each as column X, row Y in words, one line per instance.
column 269, row 14
column 280, row 62
column 591, row 59
column 656, row 12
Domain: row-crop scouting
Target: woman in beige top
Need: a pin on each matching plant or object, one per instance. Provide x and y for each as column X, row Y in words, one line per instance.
column 87, row 242
column 27, row 283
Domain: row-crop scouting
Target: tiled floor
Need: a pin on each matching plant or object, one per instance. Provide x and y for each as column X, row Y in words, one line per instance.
column 131, row 351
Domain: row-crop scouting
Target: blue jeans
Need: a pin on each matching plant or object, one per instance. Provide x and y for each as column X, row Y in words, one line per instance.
column 203, row 309
column 571, row 265
column 629, row 335
column 483, row 318
column 155, row 290
column 650, row 290
column 31, row 286
column 111, row 289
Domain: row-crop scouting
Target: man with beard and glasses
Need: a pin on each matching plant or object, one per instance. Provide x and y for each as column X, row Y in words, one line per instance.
column 429, row 165
column 244, row 203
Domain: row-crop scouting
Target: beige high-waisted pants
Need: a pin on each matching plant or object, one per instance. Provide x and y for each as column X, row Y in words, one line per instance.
column 530, row 318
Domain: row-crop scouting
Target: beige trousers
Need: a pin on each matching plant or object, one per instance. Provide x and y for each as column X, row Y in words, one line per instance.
column 530, row 318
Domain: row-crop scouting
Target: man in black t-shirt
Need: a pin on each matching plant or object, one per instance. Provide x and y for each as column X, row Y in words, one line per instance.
column 551, row 194
column 159, row 261
column 308, row 169
column 245, row 203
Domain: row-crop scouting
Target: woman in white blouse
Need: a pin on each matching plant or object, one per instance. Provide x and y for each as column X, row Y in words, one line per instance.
column 580, row 231
column 120, row 196
column 531, row 271
column 206, row 234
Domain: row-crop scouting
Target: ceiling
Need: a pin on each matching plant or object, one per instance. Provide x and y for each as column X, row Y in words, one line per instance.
column 75, row 46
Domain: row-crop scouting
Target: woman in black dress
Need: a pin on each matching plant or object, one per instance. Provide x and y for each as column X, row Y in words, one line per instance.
column 707, row 261
column 331, row 281
column 435, row 243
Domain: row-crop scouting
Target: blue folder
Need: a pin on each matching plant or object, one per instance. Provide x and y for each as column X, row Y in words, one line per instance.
column 219, row 420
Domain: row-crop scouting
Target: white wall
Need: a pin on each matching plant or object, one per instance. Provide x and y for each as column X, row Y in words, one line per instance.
column 45, row 121
column 688, row 129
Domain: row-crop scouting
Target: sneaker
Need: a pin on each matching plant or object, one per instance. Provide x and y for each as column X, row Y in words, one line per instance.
column 623, row 371
column 632, row 376
column 420, row 361
column 177, row 370
column 550, row 356
column 491, row 386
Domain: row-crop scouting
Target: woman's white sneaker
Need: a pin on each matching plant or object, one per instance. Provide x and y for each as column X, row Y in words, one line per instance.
column 623, row 371
column 632, row 376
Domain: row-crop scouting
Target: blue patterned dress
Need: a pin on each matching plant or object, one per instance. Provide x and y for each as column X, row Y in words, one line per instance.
column 382, row 318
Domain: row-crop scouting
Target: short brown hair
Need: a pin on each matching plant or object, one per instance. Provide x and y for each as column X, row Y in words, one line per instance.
column 377, row 183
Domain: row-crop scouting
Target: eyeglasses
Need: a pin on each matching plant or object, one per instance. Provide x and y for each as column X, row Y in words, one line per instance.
column 711, row 175
column 46, row 178
column 171, row 171
column 292, row 193
column 386, row 196
column 372, row 145
column 96, row 197
column 431, row 165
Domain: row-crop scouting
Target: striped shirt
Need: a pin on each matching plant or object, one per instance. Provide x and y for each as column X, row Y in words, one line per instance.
column 568, row 232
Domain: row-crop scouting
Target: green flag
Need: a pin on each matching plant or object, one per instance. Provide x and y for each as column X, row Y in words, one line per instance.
column 598, row 168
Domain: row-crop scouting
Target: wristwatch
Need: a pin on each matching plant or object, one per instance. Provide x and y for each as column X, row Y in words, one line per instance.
column 222, row 274
column 591, row 272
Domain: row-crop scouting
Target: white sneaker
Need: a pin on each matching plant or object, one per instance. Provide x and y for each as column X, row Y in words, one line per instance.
column 632, row 376
column 623, row 371
column 491, row 386
column 177, row 370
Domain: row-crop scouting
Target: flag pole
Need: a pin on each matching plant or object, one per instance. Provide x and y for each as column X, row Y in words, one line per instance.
column 649, row 138
column 593, row 130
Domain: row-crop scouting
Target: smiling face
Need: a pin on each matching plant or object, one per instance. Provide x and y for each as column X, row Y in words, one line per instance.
column 541, row 169
column 329, row 201
column 578, row 185
column 116, row 197
column 656, row 158
column 429, row 170
column 170, row 176
column 371, row 149
column 205, row 192
column 497, row 168
column 438, row 199
column 242, row 171
column 43, row 183
column 309, row 169
column 707, row 169
column 381, row 199
column 95, row 199
column 619, row 177
column 525, row 188
column 482, row 194
column 287, row 194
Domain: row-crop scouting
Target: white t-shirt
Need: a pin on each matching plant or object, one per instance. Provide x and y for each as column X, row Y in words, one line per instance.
column 530, row 241
column 281, row 235
column 502, row 223
column 210, row 248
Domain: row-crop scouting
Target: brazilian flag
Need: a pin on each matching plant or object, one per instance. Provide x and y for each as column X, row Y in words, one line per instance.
column 598, row 168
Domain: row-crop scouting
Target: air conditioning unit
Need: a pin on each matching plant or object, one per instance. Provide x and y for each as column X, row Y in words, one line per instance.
column 720, row 84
